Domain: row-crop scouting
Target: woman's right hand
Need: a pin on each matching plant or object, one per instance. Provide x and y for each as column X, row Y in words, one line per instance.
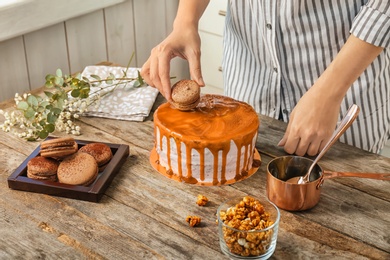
column 183, row 42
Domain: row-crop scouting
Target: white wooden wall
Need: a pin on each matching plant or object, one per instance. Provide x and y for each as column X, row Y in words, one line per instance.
column 108, row 34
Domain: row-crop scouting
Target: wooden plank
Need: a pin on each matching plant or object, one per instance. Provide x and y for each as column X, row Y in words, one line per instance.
column 79, row 233
column 26, row 16
column 46, row 47
column 22, row 235
column 119, row 20
column 13, row 69
column 86, row 40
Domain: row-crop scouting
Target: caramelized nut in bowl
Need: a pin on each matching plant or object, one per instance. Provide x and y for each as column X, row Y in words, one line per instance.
column 248, row 228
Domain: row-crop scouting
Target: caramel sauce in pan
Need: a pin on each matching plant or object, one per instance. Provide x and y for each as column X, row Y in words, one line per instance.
column 213, row 124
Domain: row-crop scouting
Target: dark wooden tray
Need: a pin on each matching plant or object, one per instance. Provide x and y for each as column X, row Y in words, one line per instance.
column 18, row 180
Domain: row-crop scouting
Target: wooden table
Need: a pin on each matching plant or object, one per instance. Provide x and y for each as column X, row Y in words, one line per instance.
column 142, row 214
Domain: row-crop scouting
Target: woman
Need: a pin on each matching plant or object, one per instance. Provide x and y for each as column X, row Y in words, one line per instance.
column 301, row 61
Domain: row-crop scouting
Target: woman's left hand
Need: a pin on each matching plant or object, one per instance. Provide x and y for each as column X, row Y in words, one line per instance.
column 312, row 122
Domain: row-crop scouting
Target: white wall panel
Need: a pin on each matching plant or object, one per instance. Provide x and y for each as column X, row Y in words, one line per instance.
column 120, row 33
column 86, row 40
column 45, row 52
column 13, row 68
column 25, row 16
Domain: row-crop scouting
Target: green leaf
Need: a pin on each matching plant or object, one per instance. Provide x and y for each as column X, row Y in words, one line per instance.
column 84, row 93
column 51, row 118
column 61, row 82
column 48, row 94
column 49, row 128
column 96, row 77
column 111, row 76
column 140, row 79
column 75, row 93
column 49, row 77
column 56, row 111
column 49, row 84
column 60, row 103
column 45, row 104
column 85, row 87
column 75, row 82
column 43, row 134
column 22, row 105
column 59, row 73
column 136, row 84
column 58, row 81
column 29, row 113
column 40, row 109
column 32, row 101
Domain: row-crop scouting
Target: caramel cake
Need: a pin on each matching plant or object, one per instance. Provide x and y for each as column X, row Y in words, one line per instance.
column 212, row 144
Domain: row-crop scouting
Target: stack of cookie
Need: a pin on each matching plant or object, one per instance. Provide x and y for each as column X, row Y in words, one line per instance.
column 61, row 160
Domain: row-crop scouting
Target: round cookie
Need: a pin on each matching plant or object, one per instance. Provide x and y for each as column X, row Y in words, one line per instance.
column 78, row 169
column 42, row 168
column 185, row 94
column 58, row 147
column 101, row 152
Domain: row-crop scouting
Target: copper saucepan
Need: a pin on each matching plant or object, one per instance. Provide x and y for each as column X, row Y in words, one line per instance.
column 297, row 197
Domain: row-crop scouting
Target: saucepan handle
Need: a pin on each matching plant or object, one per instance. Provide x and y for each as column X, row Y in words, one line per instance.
column 376, row 176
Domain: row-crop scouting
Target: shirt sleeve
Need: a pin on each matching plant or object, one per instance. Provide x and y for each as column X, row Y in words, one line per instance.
column 372, row 23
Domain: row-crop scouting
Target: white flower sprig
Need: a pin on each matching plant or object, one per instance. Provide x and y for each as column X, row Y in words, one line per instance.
column 65, row 98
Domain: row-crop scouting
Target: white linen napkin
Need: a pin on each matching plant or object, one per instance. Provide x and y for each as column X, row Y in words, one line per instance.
column 125, row 102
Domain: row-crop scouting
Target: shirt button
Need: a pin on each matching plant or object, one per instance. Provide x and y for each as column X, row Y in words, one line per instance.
column 269, row 26
column 285, row 111
column 276, row 70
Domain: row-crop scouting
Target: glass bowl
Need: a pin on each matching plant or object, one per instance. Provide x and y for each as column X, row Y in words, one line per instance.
column 248, row 227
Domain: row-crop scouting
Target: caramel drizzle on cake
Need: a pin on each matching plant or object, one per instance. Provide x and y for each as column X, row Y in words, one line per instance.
column 207, row 131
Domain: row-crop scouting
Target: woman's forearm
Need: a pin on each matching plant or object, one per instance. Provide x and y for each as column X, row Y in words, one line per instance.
column 354, row 57
column 189, row 12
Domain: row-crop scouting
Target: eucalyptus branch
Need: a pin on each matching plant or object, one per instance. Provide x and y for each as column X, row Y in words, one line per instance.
column 64, row 99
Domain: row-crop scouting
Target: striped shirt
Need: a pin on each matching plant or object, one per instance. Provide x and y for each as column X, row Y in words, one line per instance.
column 274, row 51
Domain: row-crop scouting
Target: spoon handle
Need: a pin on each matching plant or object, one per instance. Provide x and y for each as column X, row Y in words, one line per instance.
column 376, row 176
column 348, row 119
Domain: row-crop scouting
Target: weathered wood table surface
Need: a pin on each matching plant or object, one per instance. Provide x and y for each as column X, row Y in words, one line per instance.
column 142, row 213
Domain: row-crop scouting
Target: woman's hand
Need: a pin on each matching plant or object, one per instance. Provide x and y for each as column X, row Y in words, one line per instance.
column 183, row 42
column 312, row 123
column 180, row 43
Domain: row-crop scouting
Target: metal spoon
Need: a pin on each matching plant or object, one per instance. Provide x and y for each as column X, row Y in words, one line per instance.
column 348, row 119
